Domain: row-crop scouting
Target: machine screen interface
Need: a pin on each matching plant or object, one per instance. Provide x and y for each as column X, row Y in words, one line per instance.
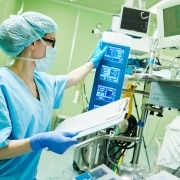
column 114, row 54
column 98, row 173
column 168, row 24
column 171, row 21
column 105, row 93
column 135, row 19
column 110, row 74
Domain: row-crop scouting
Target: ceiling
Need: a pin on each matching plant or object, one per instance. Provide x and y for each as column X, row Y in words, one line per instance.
column 106, row 6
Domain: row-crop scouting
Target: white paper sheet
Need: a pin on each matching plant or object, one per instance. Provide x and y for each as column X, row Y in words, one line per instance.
column 96, row 119
column 163, row 175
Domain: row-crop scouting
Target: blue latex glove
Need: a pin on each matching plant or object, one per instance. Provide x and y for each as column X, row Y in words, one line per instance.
column 98, row 54
column 55, row 141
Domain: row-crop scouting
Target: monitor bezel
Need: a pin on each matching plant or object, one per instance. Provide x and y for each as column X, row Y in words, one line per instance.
column 166, row 41
column 133, row 33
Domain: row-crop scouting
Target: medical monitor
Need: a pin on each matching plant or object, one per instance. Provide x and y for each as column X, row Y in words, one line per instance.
column 134, row 22
column 168, row 24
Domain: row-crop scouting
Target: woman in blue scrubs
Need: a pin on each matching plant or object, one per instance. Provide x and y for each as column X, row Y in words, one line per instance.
column 28, row 94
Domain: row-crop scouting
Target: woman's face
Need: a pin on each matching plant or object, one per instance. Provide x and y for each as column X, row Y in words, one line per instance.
column 40, row 45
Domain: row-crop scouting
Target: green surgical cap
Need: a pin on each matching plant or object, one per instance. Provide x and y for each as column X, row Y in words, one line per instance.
column 19, row 31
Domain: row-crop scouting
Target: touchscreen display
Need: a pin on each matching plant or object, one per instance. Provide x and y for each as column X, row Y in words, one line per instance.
column 114, row 54
column 98, row 173
column 105, row 93
column 110, row 74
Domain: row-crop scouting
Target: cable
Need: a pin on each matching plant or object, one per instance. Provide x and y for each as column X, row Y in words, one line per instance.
column 84, row 88
column 107, row 152
column 22, row 8
column 175, row 171
column 119, row 147
column 146, row 17
column 83, row 157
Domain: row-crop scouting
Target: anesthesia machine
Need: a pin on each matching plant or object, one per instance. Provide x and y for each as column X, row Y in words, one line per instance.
column 107, row 129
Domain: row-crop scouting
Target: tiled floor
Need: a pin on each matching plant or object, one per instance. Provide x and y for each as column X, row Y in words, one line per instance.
column 59, row 167
column 56, row 167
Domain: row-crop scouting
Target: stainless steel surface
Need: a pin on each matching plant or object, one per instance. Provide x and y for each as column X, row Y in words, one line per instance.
column 90, row 152
column 141, row 123
column 153, row 78
column 140, row 135
column 165, row 95
column 93, row 139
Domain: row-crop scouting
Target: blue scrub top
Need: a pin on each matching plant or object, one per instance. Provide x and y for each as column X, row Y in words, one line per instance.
column 22, row 116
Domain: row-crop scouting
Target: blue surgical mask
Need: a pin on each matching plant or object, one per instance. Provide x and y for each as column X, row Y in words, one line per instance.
column 45, row 63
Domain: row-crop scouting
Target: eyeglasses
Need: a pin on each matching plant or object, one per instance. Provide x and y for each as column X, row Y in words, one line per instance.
column 53, row 41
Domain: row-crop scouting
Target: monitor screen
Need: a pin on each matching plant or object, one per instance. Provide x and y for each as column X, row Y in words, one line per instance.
column 114, row 54
column 134, row 21
column 105, row 93
column 110, row 74
column 171, row 17
column 98, row 173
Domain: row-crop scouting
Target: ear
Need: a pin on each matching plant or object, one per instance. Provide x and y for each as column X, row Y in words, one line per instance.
column 31, row 46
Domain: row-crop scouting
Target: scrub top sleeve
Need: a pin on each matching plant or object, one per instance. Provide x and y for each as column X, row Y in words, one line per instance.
column 5, row 123
column 54, row 83
column 59, row 88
